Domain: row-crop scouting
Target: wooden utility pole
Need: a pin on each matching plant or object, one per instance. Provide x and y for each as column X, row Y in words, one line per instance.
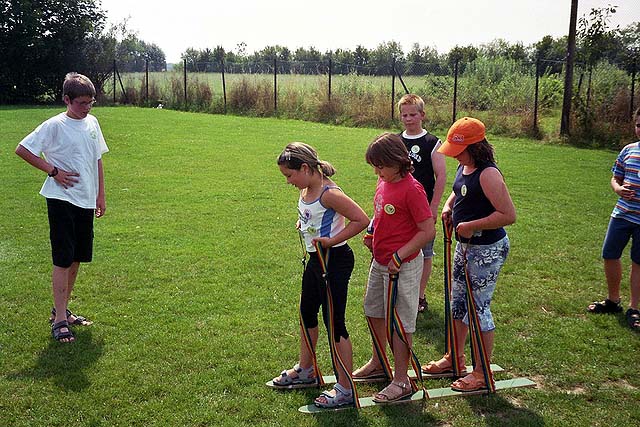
column 568, row 72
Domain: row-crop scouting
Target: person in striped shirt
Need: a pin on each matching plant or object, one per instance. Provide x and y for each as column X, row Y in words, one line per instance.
column 623, row 225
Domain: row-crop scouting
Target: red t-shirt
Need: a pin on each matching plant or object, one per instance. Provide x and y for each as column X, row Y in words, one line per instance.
column 398, row 207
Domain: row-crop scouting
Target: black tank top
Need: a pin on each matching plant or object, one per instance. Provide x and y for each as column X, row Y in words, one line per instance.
column 471, row 203
column 420, row 153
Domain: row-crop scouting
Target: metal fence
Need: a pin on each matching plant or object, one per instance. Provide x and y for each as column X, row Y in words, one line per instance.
column 336, row 92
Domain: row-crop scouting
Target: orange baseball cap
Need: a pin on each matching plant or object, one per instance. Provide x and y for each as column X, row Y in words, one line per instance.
column 462, row 133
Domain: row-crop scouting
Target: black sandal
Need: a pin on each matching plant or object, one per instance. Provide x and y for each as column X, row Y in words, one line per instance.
column 422, row 305
column 59, row 335
column 607, row 306
column 79, row 320
column 633, row 319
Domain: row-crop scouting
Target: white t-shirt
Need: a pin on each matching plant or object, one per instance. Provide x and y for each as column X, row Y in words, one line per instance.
column 74, row 146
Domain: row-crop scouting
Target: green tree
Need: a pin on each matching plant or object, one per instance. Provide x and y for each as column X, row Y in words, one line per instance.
column 343, row 61
column 551, row 52
column 629, row 38
column 155, row 56
column 383, row 56
column 40, row 41
column 423, row 60
column 596, row 40
column 308, row 61
column 191, row 56
column 463, row 55
column 361, row 57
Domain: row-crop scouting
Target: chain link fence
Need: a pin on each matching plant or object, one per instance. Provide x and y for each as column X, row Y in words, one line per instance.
column 512, row 97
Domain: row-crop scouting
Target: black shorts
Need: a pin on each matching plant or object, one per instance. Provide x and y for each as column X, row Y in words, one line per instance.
column 71, row 233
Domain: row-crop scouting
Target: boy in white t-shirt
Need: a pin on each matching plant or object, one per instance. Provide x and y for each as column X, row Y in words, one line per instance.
column 68, row 148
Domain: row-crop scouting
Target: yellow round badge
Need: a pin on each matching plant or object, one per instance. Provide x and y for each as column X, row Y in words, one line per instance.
column 463, row 190
column 389, row 209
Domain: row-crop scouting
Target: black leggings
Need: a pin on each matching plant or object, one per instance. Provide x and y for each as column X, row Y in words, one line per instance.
column 314, row 294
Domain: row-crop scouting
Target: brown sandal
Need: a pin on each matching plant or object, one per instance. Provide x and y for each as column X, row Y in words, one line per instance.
column 443, row 367
column 468, row 384
column 386, row 396
column 366, row 372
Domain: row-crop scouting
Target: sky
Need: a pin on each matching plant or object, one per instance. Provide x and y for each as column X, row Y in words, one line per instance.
column 345, row 24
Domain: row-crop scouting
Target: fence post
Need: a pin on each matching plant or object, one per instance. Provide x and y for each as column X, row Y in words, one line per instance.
column 275, row 85
column 568, row 72
column 124, row 93
column 146, row 71
column 224, row 87
column 455, row 90
column 589, row 88
column 404, row 86
column 185, row 82
column 330, row 71
column 633, row 87
column 393, row 88
column 535, row 100
column 114, row 81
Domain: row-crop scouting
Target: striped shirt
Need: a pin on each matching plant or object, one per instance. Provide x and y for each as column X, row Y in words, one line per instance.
column 627, row 169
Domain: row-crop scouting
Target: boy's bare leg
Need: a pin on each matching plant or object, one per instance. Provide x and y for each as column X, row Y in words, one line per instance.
column 60, row 281
column 73, row 274
column 71, row 280
column 635, row 285
column 67, row 278
column 613, row 274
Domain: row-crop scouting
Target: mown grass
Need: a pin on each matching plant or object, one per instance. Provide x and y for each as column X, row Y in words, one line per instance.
column 195, row 283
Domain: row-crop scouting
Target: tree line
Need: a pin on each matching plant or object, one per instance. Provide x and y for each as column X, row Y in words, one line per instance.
column 596, row 42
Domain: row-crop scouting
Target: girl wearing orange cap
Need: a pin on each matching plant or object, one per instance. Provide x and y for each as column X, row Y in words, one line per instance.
column 478, row 208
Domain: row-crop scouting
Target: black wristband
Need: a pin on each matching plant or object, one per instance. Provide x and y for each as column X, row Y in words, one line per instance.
column 54, row 172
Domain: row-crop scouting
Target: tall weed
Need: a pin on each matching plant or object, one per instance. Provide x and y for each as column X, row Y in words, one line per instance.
column 601, row 116
column 500, row 90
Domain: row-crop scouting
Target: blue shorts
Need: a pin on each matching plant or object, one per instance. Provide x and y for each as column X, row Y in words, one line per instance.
column 618, row 234
column 427, row 251
column 483, row 264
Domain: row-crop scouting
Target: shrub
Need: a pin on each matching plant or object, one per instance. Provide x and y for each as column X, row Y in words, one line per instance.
column 600, row 116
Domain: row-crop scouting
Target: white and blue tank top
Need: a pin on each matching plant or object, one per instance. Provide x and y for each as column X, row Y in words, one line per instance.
column 318, row 221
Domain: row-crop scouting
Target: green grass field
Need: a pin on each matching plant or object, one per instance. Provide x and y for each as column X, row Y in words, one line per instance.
column 195, row 283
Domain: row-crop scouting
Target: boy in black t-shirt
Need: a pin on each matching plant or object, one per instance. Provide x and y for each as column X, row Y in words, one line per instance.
column 430, row 169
